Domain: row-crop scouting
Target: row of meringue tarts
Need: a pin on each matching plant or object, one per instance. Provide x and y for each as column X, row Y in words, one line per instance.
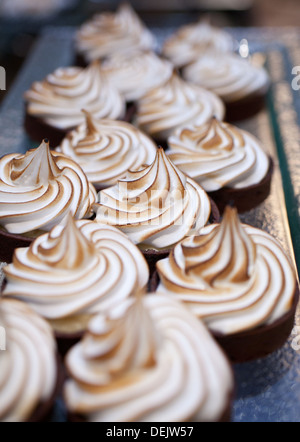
column 129, row 355
column 163, row 101
column 155, row 205
column 143, row 191
column 75, row 277
column 234, row 277
column 205, row 55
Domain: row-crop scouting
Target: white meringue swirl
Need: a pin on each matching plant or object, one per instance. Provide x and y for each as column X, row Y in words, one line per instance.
column 234, row 277
column 175, row 105
column 218, row 155
column 149, row 360
column 156, row 206
column 229, row 76
column 189, row 43
column 110, row 33
column 60, row 98
column 136, row 75
column 28, row 367
column 38, row 189
column 107, row 149
column 75, row 272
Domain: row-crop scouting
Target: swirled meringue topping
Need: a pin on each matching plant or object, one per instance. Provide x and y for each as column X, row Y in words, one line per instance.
column 175, row 105
column 28, row 366
column 76, row 271
column 60, row 98
column 156, row 206
column 134, row 76
column 107, row 149
column 189, row 43
column 234, row 277
column 114, row 33
column 39, row 188
column 227, row 75
column 149, row 360
column 218, row 155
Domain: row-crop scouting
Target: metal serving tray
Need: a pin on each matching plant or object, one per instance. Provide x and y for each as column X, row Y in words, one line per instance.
column 268, row 390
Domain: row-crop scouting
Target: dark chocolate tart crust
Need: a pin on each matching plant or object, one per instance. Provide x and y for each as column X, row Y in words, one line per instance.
column 66, row 341
column 253, row 344
column 245, row 108
column 244, row 199
column 153, row 256
column 9, row 242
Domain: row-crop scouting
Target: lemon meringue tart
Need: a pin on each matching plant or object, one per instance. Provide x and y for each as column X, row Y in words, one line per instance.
column 78, row 269
column 30, row 373
column 37, row 191
column 54, row 106
column 148, row 360
column 174, row 105
column 156, row 207
column 239, row 281
column 107, row 149
column 229, row 163
column 240, row 83
column 191, row 41
column 110, row 33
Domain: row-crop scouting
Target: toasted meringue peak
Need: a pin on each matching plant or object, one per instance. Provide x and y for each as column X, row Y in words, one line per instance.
column 189, row 43
column 70, row 250
column 219, row 155
column 28, row 368
column 77, row 270
column 114, row 33
column 131, row 341
column 58, row 100
column 232, row 276
column 39, row 188
column 229, row 76
column 135, row 75
column 107, row 149
column 36, row 167
column 229, row 250
column 148, row 360
column 174, row 105
column 156, row 206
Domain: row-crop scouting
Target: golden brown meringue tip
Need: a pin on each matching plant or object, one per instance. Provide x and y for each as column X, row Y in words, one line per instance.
column 36, row 166
column 90, row 122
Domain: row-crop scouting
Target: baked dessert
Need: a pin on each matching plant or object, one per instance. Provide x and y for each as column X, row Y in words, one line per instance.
column 37, row 190
column 29, row 371
column 54, row 105
column 238, row 280
column 107, row 149
column 77, row 270
column 241, row 84
column 174, row 105
column 111, row 33
column 134, row 76
column 229, row 163
column 189, row 43
column 156, row 207
column 149, row 360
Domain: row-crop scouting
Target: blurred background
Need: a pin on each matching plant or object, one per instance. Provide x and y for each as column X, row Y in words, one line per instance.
column 22, row 20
